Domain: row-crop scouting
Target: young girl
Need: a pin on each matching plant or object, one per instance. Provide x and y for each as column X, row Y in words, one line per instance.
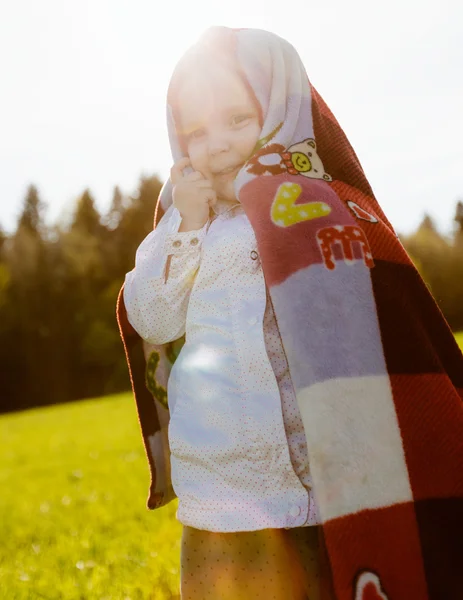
column 316, row 397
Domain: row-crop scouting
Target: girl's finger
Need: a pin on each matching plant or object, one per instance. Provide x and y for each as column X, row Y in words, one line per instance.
column 195, row 176
column 176, row 174
column 204, row 184
column 211, row 197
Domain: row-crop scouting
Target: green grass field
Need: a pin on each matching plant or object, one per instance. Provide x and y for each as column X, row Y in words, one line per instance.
column 459, row 337
column 73, row 520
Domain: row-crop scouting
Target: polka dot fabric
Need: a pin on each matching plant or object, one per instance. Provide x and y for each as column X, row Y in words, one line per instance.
column 238, row 451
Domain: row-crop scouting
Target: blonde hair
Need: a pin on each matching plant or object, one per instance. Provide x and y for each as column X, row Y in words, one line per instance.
column 212, row 50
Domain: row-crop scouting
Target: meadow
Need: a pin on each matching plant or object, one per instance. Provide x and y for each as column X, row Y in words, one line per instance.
column 459, row 337
column 73, row 518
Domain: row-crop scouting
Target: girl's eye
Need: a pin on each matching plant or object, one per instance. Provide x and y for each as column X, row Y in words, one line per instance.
column 196, row 134
column 238, row 119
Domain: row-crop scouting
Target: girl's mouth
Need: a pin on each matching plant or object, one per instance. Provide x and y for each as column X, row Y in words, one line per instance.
column 229, row 173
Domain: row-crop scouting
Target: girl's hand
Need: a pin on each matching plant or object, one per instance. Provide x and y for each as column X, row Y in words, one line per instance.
column 192, row 195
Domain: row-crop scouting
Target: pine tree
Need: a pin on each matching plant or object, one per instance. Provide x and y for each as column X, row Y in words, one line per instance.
column 86, row 217
column 437, row 259
column 427, row 225
column 29, row 302
column 3, row 239
column 116, row 210
column 31, row 219
column 459, row 224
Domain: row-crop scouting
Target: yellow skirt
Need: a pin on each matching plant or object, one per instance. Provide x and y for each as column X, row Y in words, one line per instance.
column 271, row 564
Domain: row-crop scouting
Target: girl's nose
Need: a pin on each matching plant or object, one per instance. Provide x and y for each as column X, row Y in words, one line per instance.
column 218, row 144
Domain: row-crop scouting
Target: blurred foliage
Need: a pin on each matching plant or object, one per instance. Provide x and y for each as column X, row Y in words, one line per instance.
column 439, row 259
column 59, row 284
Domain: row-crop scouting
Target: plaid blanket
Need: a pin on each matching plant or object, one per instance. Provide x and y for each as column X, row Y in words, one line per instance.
column 377, row 372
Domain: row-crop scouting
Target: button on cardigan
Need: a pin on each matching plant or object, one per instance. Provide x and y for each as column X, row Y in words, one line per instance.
column 238, row 452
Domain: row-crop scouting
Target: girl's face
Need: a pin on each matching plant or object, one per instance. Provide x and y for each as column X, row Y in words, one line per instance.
column 219, row 123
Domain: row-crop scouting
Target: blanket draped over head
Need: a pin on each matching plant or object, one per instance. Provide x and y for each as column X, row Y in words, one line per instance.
column 376, row 370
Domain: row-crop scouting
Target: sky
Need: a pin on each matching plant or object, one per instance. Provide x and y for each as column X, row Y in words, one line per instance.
column 83, row 86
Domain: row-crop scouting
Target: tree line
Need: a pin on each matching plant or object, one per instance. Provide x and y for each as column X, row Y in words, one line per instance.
column 59, row 283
